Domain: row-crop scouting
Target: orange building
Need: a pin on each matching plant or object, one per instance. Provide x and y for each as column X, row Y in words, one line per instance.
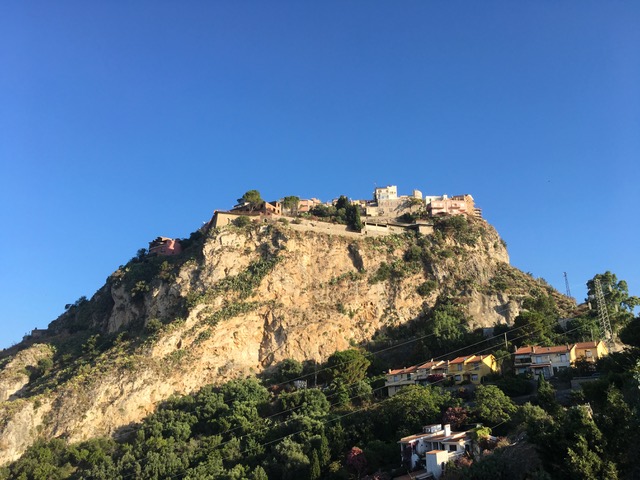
column 456, row 205
column 165, row 246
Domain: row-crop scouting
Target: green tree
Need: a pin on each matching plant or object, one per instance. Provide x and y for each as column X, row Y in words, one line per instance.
column 582, row 462
column 361, row 392
column 381, row 455
column 314, row 471
column 492, row 405
column 342, row 203
column 290, row 461
column 246, row 390
column 411, row 408
column 320, row 443
column 448, row 326
column 535, row 328
column 241, row 221
column 538, row 320
column 348, row 366
column 259, row 474
column 537, row 423
column 546, row 396
column 352, row 216
column 630, row 334
column 618, row 302
column 310, row 402
column 253, row 198
column 288, row 370
column 291, row 203
column 616, row 421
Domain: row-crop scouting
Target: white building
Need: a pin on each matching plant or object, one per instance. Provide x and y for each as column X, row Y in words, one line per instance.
column 433, row 448
column 390, row 192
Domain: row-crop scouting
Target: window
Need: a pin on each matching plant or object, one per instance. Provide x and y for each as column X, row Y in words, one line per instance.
column 474, row 377
column 459, row 367
column 452, row 448
column 588, row 353
column 538, row 359
column 458, row 378
column 476, row 366
column 563, row 357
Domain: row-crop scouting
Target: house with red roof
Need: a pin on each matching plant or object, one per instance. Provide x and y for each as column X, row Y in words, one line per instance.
column 424, row 374
column 548, row 361
column 545, row 361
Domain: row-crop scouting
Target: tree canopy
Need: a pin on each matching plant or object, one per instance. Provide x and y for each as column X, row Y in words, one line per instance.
column 253, row 198
column 348, row 366
column 618, row 302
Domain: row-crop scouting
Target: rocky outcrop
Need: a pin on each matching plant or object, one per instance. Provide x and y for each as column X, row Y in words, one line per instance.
column 249, row 298
column 15, row 374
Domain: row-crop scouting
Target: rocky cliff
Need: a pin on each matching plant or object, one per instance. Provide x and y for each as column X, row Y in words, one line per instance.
column 235, row 302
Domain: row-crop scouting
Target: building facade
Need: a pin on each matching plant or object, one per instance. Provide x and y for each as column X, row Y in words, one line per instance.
column 431, row 449
column 472, row 369
column 390, row 192
column 545, row 361
column 591, row 351
column 456, row 205
column 165, row 246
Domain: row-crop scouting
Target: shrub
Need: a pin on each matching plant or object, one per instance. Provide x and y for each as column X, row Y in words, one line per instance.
column 241, row 222
column 515, row 386
column 139, row 289
column 154, row 325
column 426, row 288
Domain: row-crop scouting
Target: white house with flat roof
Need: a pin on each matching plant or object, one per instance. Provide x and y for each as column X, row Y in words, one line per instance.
column 433, row 448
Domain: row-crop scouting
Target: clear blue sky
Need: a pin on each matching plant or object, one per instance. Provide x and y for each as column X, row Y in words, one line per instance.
column 122, row 121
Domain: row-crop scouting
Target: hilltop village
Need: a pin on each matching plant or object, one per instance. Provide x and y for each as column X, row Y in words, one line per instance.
column 387, row 213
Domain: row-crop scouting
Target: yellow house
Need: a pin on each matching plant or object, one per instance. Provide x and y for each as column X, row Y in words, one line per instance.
column 591, row 351
column 473, row 368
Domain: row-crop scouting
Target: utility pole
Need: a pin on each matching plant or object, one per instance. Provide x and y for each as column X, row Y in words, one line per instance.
column 603, row 313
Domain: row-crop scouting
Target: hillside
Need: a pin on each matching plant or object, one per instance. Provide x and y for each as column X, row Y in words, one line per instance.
column 237, row 301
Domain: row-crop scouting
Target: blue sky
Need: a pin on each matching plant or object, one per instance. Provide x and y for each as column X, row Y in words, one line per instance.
column 122, row 121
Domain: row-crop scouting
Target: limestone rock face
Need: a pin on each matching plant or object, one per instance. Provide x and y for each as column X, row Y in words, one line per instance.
column 15, row 374
column 245, row 300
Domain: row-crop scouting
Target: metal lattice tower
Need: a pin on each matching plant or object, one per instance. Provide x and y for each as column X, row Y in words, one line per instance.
column 566, row 285
column 603, row 314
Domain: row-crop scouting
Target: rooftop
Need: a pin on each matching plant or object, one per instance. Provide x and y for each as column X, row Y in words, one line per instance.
column 532, row 349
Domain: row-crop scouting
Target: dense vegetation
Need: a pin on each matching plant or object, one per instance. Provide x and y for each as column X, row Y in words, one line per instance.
column 343, row 212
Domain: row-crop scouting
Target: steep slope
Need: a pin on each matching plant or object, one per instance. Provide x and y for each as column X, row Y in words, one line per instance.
column 235, row 302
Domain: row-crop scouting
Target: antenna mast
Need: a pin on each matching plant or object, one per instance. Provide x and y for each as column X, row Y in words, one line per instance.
column 603, row 314
column 566, row 285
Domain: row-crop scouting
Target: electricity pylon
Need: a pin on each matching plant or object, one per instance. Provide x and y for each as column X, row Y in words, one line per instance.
column 603, row 313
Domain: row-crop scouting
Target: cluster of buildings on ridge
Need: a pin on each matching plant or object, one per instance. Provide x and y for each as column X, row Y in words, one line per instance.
column 380, row 215
column 529, row 360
